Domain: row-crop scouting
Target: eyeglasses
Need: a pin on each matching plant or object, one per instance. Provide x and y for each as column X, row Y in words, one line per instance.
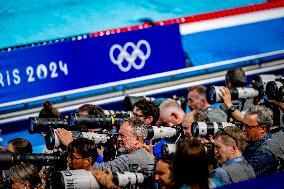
column 72, row 157
column 137, row 115
column 250, row 126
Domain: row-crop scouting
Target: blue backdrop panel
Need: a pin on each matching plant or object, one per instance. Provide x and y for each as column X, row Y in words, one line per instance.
column 234, row 42
column 274, row 181
column 36, row 140
column 63, row 66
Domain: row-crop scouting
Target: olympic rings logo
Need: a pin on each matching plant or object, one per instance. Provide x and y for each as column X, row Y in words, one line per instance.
column 130, row 58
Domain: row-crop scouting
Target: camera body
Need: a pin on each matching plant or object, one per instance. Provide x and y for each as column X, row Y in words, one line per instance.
column 260, row 83
column 275, row 89
column 168, row 149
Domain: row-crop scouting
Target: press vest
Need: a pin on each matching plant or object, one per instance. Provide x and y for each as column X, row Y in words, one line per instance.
column 239, row 171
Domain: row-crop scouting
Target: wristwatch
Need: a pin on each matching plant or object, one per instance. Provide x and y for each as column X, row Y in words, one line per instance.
column 232, row 109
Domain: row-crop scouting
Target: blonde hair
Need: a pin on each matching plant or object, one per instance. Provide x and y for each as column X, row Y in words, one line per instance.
column 26, row 172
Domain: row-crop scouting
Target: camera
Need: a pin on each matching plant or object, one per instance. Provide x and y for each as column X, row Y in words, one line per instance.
column 125, row 179
column 39, row 125
column 275, row 90
column 56, row 159
column 94, row 121
column 136, row 179
column 212, row 93
column 204, row 129
column 82, row 179
column 79, row 179
column 261, row 81
column 158, row 132
column 52, row 141
column 168, row 149
column 108, row 120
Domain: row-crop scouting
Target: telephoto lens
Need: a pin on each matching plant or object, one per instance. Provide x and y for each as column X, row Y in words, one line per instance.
column 204, row 129
column 212, row 93
column 52, row 141
column 124, row 179
column 95, row 121
column 74, row 179
column 159, row 132
column 41, row 125
column 56, row 159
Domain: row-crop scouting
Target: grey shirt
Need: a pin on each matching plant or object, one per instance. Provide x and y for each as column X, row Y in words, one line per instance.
column 233, row 171
column 216, row 114
column 248, row 103
column 278, row 136
column 123, row 163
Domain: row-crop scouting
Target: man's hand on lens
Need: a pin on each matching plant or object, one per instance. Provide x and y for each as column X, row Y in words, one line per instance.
column 225, row 94
column 64, row 136
column 104, row 178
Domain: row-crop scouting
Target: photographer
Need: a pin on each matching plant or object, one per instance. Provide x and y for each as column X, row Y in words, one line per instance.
column 147, row 111
column 276, row 130
column 132, row 134
column 191, row 166
column 82, row 154
column 197, row 101
column 263, row 153
column 228, row 105
column 235, row 77
column 19, row 145
column 25, row 176
column 65, row 136
column 229, row 144
column 189, row 118
column 171, row 113
column 48, row 111
column 90, row 109
column 163, row 172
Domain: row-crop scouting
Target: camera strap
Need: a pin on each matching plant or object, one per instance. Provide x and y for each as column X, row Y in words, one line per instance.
column 235, row 160
column 207, row 110
column 243, row 101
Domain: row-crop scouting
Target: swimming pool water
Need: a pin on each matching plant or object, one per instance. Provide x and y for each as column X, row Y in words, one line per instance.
column 27, row 21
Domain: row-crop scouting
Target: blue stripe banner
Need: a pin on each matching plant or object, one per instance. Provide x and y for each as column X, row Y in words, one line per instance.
column 65, row 66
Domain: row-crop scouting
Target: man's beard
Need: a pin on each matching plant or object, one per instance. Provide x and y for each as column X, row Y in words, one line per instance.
column 125, row 148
